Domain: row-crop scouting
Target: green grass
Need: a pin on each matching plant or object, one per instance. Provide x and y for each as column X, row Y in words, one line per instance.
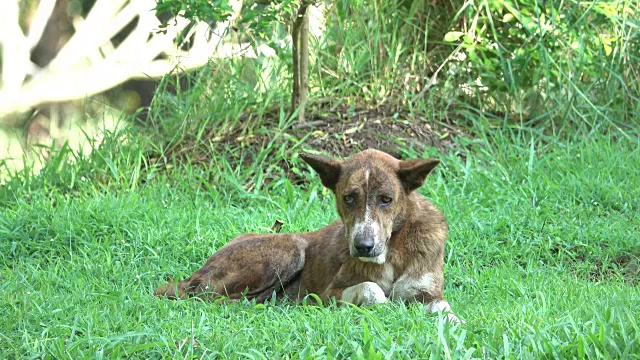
column 532, row 262
column 544, row 210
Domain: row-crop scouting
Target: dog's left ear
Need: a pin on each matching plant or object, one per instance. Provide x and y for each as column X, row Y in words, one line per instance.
column 328, row 169
column 412, row 173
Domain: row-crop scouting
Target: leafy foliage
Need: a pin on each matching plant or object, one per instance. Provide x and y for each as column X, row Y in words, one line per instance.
column 258, row 20
column 203, row 10
column 546, row 54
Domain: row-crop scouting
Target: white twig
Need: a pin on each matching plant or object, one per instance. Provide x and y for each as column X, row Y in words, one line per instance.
column 89, row 63
column 15, row 54
column 39, row 22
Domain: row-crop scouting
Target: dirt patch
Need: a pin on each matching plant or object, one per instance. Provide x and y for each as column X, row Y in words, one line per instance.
column 337, row 132
column 600, row 268
column 629, row 266
column 345, row 132
column 341, row 131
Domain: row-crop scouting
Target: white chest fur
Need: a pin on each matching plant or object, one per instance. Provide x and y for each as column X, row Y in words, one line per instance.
column 386, row 278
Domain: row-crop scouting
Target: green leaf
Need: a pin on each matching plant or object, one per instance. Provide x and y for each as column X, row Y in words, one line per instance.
column 508, row 17
column 452, row 36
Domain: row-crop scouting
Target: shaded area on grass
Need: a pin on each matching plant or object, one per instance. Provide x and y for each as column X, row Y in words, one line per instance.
column 270, row 144
column 596, row 265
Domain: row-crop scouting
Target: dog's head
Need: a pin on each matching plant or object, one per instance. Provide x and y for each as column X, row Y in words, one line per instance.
column 371, row 190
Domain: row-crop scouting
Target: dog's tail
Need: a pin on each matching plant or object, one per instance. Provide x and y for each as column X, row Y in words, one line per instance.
column 171, row 290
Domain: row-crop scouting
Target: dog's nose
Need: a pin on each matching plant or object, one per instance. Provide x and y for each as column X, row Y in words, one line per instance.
column 364, row 245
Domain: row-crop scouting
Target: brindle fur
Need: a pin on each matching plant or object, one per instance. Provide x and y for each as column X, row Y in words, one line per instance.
column 405, row 262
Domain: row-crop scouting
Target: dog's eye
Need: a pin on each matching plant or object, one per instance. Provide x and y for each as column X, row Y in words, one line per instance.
column 350, row 199
column 385, row 201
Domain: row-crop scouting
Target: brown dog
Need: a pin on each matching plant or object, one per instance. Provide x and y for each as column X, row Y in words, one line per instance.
column 388, row 243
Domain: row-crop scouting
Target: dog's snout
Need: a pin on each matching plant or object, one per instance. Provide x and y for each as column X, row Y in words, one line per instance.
column 364, row 244
column 365, row 238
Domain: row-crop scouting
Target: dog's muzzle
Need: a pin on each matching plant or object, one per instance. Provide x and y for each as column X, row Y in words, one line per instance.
column 364, row 245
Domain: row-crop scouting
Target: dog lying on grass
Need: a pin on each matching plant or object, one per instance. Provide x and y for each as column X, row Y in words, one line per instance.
column 388, row 244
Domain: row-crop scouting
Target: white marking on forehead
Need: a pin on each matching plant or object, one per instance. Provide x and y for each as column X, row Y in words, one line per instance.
column 367, row 222
column 366, row 178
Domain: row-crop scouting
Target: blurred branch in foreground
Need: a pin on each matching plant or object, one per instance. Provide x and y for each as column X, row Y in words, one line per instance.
column 91, row 62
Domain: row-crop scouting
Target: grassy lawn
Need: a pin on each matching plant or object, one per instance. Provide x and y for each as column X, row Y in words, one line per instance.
column 541, row 261
column 540, row 182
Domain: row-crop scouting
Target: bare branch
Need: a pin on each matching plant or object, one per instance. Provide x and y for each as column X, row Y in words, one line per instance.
column 15, row 53
column 300, row 35
column 39, row 22
column 89, row 63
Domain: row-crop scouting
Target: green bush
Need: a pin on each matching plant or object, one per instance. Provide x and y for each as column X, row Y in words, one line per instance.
column 557, row 64
column 553, row 62
column 543, row 57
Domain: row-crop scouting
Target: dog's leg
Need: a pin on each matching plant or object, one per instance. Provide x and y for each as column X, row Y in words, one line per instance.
column 363, row 294
column 254, row 266
column 170, row 290
column 426, row 289
column 442, row 306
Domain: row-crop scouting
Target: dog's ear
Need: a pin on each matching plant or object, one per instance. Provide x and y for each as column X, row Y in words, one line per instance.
column 412, row 173
column 328, row 169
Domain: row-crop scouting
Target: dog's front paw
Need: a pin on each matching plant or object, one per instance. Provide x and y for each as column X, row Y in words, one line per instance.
column 442, row 306
column 366, row 293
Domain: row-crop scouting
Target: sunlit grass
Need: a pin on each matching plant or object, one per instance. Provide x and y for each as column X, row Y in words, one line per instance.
column 541, row 261
column 530, row 263
column 20, row 150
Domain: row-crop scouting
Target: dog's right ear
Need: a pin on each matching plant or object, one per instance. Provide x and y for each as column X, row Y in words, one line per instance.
column 328, row 169
column 412, row 173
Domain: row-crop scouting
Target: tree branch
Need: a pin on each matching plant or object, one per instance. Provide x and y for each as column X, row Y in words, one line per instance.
column 39, row 22
column 300, row 37
column 89, row 63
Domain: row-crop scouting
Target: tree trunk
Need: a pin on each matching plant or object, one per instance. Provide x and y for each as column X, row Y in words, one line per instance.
column 300, row 36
